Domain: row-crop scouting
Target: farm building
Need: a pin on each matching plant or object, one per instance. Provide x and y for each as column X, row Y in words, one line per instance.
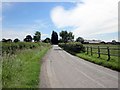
column 92, row 41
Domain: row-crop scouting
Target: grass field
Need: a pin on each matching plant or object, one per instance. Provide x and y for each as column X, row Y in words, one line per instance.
column 111, row 47
column 22, row 69
column 113, row 63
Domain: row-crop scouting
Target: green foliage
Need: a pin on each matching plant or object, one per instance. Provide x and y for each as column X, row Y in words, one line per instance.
column 66, row 36
column 11, row 48
column 47, row 40
column 114, row 42
column 80, row 39
column 113, row 63
column 37, row 36
column 6, row 40
column 28, row 38
column 16, row 40
column 54, row 38
column 22, row 69
column 73, row 47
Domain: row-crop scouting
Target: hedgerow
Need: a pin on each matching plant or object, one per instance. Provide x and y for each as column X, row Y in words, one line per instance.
column 11, row 47
column 72, row 47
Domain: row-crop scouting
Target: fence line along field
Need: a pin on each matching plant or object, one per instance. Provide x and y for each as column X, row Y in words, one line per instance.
column 103, row 54
column 103, row 51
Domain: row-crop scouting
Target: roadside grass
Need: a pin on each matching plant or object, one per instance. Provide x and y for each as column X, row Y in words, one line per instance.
column 22, row 69
column 113, row 63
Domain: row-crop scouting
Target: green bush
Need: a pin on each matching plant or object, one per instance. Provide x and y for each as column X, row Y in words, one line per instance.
column 11, row 48
column 73, row 47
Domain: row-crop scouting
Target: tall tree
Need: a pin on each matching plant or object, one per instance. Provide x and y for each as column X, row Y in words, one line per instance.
column 54, row 38
column 70, row 36
column 37, row 36
column 80, row 39
column 28, row 38
column 63, row 35
column 66, row 36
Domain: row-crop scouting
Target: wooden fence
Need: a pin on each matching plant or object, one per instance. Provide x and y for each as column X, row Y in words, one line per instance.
column 90, row 51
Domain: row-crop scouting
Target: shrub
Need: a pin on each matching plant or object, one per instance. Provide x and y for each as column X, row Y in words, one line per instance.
column 73, row 47
column 11, row 48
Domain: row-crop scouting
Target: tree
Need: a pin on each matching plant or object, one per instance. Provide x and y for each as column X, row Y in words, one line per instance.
column 9, row 40
column 4, row 40
column 70, row 36
column 102, row 42
column 54, row 38
column 16, row 40
column 80, row 39
column 60, row 41
column 28, row 38
column 63, row 35
column 47, row 40
column 66, row 36
column 37, row 36
column 114, row 41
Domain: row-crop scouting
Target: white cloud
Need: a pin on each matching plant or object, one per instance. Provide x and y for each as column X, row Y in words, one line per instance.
column 44, row 36
column 91, row 17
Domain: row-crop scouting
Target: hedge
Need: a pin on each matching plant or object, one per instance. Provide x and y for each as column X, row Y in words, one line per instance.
column 72, row 47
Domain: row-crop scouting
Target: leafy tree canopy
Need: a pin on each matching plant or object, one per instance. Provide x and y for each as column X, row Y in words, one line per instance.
column 16, row 40
column 47, row 40
column 28, row 38
column 37, row 36
column 66, row 36
column 80, row 39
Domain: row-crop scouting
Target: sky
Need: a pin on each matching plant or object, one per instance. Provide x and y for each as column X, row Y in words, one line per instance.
column 90, row 19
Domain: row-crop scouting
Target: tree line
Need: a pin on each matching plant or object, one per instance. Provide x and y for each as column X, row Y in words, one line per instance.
column 28, row 38
column 65, row 37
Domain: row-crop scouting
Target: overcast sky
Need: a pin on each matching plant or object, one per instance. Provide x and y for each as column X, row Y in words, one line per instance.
column 90, row 19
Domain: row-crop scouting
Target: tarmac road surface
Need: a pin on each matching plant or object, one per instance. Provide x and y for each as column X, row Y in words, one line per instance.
column 63, row 70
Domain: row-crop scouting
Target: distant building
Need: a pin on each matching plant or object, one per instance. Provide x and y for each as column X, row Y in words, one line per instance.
column 92, row 41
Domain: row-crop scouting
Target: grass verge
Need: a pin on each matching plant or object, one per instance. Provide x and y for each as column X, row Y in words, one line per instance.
column 22, row 69
column 112, row 63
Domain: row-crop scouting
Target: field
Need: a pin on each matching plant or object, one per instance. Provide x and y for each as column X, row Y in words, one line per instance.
column 21, row 64
column 103, row 59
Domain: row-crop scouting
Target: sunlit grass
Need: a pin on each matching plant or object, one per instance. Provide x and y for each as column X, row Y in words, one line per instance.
column 112, row 63
column 22, row 69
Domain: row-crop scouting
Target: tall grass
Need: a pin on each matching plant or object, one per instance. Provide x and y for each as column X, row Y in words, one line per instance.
column 22, row 69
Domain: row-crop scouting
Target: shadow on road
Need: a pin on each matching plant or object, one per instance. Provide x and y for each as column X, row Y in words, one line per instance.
column 58, row 49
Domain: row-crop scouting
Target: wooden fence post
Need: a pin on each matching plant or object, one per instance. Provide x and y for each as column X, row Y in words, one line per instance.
column 91, row 50
column 98, row 52
column 108, row 53
column 87, row 49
